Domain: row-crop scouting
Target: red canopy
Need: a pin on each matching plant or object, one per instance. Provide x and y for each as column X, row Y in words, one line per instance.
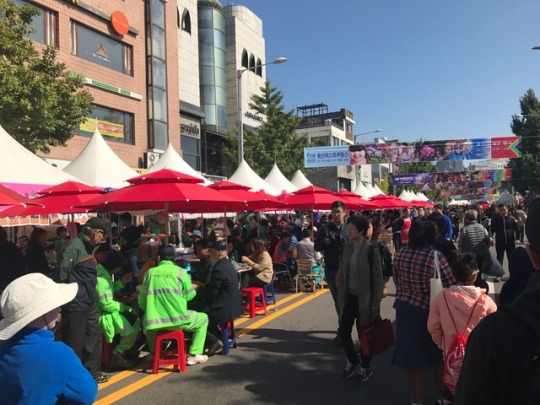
column 10, row 197
column 389, row 201
column 354, row 201
column 165, row 190
column 310, row 197
column 254, row 199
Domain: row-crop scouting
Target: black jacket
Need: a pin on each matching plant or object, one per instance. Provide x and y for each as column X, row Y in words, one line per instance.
column 331, row 251
column 36, row 261
column 502, row 355
column 506, row 229
column 11, row 263
column 221, row 294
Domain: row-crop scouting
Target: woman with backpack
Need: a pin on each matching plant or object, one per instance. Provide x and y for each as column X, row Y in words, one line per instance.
column 453, row 314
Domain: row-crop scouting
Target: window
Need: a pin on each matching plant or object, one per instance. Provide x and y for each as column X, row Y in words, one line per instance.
column 259, row 67
column 245, row 59
column 45, row 25
column 114, row 125
column 252, row 63
column 95, row 47
column 186, row 22
column 190, row 151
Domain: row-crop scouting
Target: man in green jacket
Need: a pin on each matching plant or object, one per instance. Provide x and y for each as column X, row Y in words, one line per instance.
column 115, row 317
column 164, row 294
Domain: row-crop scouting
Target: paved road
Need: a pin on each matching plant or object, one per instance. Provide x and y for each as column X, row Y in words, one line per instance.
column 287, row 357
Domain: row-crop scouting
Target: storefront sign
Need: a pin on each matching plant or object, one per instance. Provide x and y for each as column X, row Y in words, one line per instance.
column 108, row 87
column 105, row 127
column 189, row 129
column 119, row 23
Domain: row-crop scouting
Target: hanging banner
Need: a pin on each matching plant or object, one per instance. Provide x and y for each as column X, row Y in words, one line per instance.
column 406, row 152
column 479, row 176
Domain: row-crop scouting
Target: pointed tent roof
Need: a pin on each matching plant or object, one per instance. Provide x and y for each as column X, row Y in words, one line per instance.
column 405, row 195
column 362, row 191
column 98, row 165
column 421, row 196
column 378, row 190
column 173, row 161
column 370, row 188
column 245, row 176
column 300, row 180
column 278, row 180
column 23, row 171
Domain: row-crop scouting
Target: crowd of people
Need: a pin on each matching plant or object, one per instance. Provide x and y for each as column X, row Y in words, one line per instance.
column 108, row 294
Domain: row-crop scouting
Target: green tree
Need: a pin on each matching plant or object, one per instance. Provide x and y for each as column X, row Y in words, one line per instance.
column 527, row 125
column 40, row 104
column 275, row 141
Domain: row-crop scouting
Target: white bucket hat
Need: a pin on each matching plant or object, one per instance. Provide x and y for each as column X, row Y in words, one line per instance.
column 29, row 297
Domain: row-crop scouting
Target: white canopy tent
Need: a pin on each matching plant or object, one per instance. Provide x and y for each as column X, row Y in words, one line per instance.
column 405, row 196
column 421, row 196
column 173, row 161
column 370, row 188
column 277, row 179
column 23, row 171
column 245, row 176
column 99, row 166
column 458, row 203
column 378, row 190
column 362, row 191
column 299, row 180
column 506, row 198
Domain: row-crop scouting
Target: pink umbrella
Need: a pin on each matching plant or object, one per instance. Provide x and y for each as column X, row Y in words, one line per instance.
column 165, row 190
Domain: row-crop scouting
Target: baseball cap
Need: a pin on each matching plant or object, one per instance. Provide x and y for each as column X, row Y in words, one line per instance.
column 219, row 245
column 97, row 223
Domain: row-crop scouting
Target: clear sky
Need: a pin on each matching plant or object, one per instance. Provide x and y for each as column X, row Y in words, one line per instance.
column 416, row 69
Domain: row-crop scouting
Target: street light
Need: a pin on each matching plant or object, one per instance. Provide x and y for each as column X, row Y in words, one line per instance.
column 239, row 73
column 357, row 168
column 536, row 48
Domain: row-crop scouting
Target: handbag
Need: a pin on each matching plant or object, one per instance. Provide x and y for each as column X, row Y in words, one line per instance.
column 435, row 283
column 491, row 265
column 376, row 337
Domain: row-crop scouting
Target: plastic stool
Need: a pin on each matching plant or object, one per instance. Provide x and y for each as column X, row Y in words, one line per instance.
column 228, row 336
column 180, row 360
column 252, row 306
column 269, row 292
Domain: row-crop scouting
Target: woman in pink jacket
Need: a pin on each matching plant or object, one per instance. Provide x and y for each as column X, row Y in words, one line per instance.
column 465, row 301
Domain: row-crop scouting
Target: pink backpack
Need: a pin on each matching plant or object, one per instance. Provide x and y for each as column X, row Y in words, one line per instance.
column 453, row 359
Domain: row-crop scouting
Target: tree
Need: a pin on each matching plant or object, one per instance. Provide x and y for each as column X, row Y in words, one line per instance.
column 275, row 141
column 527, row 125
column 40, row 104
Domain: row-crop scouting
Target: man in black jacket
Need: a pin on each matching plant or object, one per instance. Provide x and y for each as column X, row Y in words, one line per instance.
column 502, row 364
column 330, row 240
column 506, row 230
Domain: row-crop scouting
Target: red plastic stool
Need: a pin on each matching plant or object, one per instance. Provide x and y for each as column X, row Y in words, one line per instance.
column 180, row 360
column 252, row 306
column 106, row 351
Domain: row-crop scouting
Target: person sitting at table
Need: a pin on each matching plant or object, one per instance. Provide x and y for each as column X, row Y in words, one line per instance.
column 203, row 268
column 220, row 295
column 261, row 265
column 281, row 252
column 115, row 317
column 164, row 294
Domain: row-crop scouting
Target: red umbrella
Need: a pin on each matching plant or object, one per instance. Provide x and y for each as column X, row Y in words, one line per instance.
column 311, row 197
column 254, row 199
column 58, row 199
column 10, row 197
column 418, row 203
column 165, row 190
column 388, row 201
column 354, row 201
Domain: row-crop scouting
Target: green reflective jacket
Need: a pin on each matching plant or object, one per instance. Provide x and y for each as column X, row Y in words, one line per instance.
column 111, row 320
column 164, row 294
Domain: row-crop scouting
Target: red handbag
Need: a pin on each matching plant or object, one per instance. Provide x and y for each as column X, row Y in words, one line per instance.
column 376, row 337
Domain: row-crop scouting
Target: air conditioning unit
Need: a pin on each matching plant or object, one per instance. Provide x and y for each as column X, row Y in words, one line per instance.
column 150, row 159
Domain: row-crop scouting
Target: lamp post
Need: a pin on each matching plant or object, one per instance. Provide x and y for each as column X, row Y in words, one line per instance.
column 536, row 48
column 239, row 73
column 356, row 143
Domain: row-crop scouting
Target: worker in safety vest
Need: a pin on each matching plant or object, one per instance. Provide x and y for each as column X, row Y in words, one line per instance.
column 164, row 294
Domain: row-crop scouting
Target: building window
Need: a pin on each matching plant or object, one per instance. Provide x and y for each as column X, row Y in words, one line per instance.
column 100, row 49
column 45, row 25
column 190, row 151
column 186, row 22
column 245, row 59
column 259, row 67
column 114, row 125
column 252, row 63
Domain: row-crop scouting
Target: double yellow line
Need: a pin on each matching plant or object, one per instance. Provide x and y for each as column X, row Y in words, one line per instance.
column 149, row 379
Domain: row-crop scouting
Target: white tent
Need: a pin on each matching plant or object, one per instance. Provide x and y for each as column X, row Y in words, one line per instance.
column 362, row 191
column 506, row 198
column 99, row 166
column 23, row 171
column 278, row 180
column 173, row 161
column 300, row 181
column 378, row 190
column 421, row 196
column 405, row 196
column 370, row 188
column 245, row 176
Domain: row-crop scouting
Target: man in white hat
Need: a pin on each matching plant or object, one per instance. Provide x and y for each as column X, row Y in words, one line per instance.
column 34, row 368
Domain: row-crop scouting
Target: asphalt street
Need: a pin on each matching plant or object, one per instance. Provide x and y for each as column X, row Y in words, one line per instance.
column 286, row 357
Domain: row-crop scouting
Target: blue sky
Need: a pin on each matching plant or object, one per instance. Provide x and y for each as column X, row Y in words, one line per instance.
column 417, row 69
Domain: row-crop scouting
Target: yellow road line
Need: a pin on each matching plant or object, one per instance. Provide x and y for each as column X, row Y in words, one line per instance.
column 117, row 377
column 245, row 319
column 139, row 384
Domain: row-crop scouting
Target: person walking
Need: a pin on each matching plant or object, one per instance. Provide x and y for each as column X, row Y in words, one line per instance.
column 360, row 288
column 506, row 230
